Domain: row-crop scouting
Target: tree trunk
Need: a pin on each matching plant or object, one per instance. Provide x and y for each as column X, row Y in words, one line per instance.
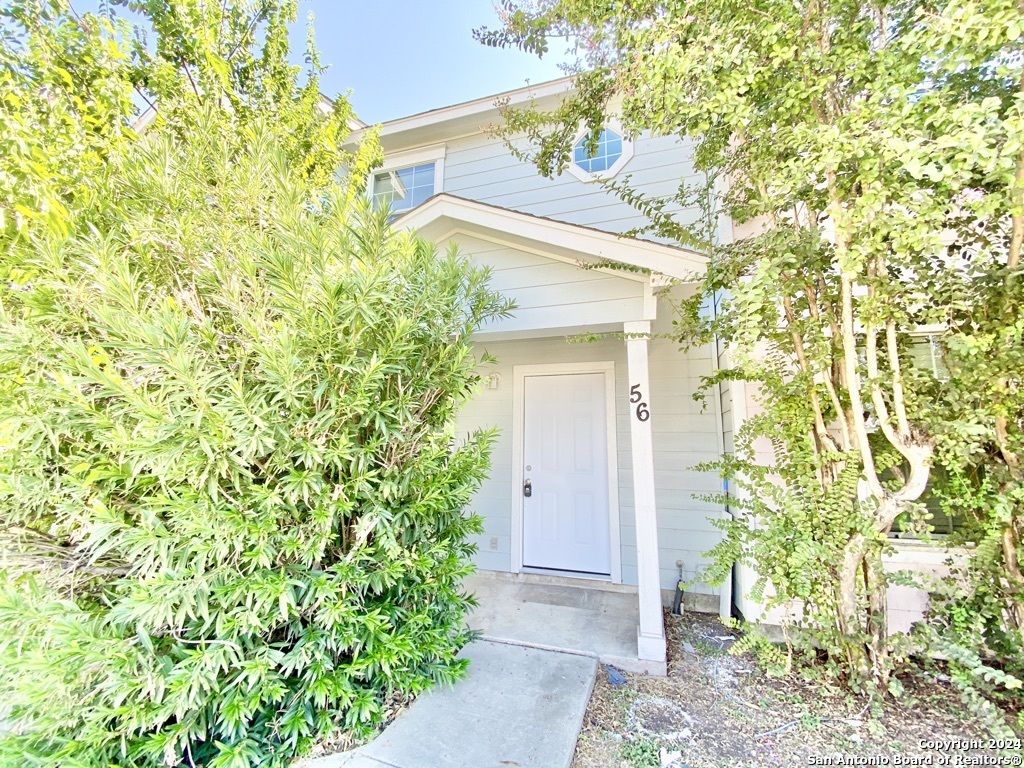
column 862, row 611
column 878, row 616
column 850, row 611
column 1010, row 538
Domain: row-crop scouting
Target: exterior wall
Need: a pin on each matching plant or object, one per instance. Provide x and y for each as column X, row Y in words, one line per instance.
column 743, row 403
column 726, row 398
column 552, row 294
column 480, row 167
column 683, row 436
column 927, row 562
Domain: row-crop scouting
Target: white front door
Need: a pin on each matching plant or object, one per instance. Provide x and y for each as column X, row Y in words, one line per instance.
column 565, row 479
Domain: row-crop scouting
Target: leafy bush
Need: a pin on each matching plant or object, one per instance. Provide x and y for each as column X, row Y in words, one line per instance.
column 975, row 628
column 230, row 489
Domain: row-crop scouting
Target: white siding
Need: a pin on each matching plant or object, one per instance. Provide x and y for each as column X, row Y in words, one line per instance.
column 552, row 294
column 908, row 605
column 480, row 167
column 685, row 434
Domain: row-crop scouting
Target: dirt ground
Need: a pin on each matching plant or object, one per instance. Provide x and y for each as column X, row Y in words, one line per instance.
column 715, row 710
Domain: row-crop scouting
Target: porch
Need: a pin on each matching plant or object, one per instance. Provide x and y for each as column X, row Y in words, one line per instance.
column 582, row 617
column 571, row 499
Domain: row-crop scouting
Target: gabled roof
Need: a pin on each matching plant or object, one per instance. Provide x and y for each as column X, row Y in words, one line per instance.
column 444, row 215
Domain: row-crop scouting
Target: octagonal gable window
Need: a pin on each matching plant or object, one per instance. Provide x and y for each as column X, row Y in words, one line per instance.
column 603, row 161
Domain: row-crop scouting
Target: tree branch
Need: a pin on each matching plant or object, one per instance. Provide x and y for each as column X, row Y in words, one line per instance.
column 1017, row 195
column 899, row 401
column 871, row 359
column 844, row 425
column 853, row 388
column 801, row 357
column 189, row 73
column 877, row 400
column 1017, row 204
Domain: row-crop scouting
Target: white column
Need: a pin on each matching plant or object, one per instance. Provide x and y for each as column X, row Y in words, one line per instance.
column 651, row 632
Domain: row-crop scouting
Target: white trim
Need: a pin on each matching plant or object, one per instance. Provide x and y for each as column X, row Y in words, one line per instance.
column 505, row 243
column 519, row 374
column 650, row 300
column 740, row 580
column 615, row 539
column 590, row 244
column 144, row 120
column 659, row 280
column 590, row 176
column 431, row 153
column 476, row 107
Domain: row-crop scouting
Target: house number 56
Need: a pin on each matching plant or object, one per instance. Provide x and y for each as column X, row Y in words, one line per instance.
column 635, row 396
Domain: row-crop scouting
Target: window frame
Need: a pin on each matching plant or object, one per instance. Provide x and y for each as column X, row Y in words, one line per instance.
column 397, row 161
column 611, row 170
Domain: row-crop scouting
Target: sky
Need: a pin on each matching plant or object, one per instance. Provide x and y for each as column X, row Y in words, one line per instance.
column 401, row 57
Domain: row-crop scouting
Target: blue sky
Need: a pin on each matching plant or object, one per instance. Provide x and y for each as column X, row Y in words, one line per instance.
column 400, row 57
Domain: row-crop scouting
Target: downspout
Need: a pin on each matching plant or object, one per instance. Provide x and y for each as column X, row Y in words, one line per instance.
column 725, row 595
column 725, row 591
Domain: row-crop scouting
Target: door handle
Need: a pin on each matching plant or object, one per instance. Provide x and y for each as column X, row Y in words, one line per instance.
column 528, row 488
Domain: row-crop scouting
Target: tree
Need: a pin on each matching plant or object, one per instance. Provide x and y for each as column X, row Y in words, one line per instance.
column 231, row 494
column 62, row 78
column 876, row 147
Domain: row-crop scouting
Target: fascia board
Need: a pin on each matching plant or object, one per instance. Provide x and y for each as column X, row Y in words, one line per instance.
column 588, row 243
column 469, row 109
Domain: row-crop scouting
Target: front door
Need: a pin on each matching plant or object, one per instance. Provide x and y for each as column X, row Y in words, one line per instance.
column 565, row 483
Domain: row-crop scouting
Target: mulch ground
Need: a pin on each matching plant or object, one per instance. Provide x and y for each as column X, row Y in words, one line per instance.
column 715, row 709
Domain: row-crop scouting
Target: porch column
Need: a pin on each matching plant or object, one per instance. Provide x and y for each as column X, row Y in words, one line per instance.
column 650, row 638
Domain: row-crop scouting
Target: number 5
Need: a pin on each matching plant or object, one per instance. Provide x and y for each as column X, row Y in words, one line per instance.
column 634, row 394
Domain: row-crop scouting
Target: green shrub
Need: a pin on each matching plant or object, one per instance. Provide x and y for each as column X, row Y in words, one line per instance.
column 231, row 491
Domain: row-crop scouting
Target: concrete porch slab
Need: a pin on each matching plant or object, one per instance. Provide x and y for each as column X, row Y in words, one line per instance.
column 517, row 707
column 596, row 619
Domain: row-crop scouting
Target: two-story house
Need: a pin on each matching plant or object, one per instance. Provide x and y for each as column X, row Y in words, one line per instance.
column 593, row 474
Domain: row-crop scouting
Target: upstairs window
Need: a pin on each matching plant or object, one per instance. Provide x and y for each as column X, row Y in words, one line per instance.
column 609, row 149
column 611, row 153
column 404, row 188
column 407, row 179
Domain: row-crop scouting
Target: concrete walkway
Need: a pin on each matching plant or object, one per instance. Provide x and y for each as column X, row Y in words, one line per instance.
column 517, row 706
